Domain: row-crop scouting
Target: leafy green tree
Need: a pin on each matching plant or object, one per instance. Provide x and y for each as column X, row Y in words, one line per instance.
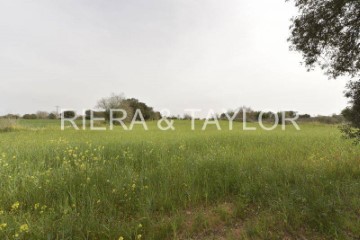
column 327, row 33
column 147, row 112
column 29, row 116
column 52, row 116
column 352, row 113
column 95, row 114
column 69, row 114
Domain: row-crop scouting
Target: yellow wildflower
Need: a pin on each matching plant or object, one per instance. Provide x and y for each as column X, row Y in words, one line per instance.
column 139, row 236
column 24, row 228
column 3, row 226
column 121, row 238
column 37, row 205
column 15, row 206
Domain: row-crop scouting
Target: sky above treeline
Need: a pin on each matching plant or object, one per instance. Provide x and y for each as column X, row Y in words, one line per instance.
column 174, row 54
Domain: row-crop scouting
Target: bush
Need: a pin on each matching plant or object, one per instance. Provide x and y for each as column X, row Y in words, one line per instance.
column 7, row 124
column 30, row 116
column 69, row 114
column 52, row 116
column 334, row 119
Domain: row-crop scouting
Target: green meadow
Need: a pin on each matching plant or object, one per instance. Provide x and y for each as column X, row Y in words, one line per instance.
column 180, row 184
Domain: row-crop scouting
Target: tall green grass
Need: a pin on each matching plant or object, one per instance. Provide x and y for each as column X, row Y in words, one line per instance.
column 173, row 185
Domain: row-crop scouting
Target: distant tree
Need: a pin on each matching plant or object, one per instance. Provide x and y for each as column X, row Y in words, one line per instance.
column 251, row 115
column 11, row 116
column 286, row 114
column 69, row 114
column 42, row 114
column 327, row 33
column 265, row 115
column 87, row 114
column 334, row 119
column 156, row 116
column 187, row 117
column 29, row 116
column 52, row 116
column 147, row 112
column 175, row 117
column 96, row 114
column 304, row 116
column 118, row 101
column 115, row 101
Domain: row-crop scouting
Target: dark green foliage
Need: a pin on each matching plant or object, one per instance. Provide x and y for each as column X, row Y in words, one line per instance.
column 327, row 33
column 95, row 114
column 352, row 113
column 69, row 114
column 30, row 116
column 147, row 112
column 10, row 116
column 130, row 105
column 304, row 116
column 52, row 116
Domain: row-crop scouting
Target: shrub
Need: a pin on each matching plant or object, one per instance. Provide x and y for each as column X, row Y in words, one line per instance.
column 52, row 116
column 7, row 124
column 30, row 116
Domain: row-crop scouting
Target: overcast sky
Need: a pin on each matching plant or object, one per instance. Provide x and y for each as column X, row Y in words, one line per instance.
column 173, row 54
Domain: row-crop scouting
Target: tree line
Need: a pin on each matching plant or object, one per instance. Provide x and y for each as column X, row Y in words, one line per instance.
column 101, row 110
column 130, row 105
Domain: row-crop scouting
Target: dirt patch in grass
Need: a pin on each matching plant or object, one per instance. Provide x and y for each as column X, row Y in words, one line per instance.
column 215, row 222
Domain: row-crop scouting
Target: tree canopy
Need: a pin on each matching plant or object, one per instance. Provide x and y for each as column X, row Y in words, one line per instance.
column 118, row 101
column 327, row 33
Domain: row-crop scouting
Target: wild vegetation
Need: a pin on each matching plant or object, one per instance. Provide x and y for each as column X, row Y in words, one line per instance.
column 178, row 184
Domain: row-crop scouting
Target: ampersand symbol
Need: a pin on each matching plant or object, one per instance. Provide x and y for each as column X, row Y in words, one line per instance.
column 169, row 123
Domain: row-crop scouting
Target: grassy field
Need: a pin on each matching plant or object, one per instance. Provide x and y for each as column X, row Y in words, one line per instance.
column 178, row 184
